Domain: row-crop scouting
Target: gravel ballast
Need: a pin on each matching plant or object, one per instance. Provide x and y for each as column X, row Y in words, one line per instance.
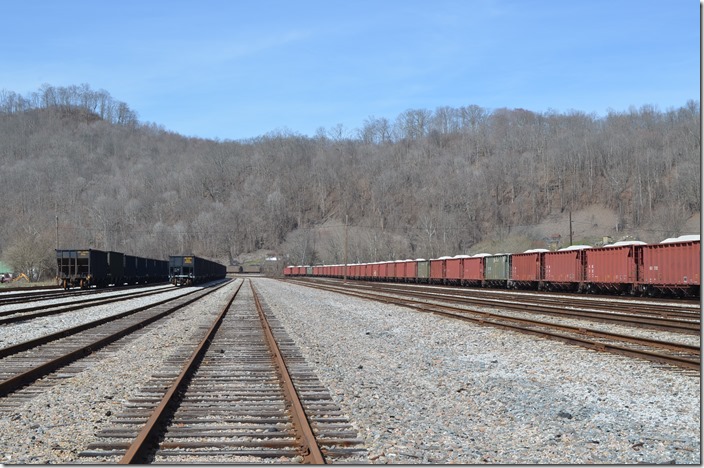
column 426, row 389
column 419, row 388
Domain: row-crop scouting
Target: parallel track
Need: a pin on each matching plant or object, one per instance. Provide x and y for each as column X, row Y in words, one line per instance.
column 671, row 354
column 24, row 363
column 679, row 320
column 23, row 314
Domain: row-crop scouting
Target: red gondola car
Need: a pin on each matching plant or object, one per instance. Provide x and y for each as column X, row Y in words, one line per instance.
column 526, row 268
column 672, row 266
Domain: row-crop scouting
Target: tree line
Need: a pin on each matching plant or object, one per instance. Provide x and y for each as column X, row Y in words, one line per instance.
column 81, row 170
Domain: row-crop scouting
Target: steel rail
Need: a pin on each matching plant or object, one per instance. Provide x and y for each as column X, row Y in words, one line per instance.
column 9, row 385
column 309, row 445
column 635, row 319
column 487, row 318
column 70, row 306
column 25, row 345
column 139, row 448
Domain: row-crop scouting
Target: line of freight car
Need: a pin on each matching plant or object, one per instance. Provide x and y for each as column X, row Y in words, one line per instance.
column 91, row 267
column 187, row 270
column 671, row 267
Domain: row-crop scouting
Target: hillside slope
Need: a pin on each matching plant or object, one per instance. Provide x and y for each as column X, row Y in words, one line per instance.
column 429, row 183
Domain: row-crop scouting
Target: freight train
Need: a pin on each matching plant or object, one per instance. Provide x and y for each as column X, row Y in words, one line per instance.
column 671, row 267
column 85, row 268
column 187, row 270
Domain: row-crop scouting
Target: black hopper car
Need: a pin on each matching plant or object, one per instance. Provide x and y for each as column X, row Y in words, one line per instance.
column 187, row 270
column 85, row 268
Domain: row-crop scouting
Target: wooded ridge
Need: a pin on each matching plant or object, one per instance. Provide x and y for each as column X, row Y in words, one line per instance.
column 79, row 166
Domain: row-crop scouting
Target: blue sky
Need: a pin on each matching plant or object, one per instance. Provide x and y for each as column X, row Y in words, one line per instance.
column 236, row 69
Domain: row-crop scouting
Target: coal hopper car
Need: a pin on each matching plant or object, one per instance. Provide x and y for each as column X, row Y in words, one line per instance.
column 82, row 268
column 187, row 270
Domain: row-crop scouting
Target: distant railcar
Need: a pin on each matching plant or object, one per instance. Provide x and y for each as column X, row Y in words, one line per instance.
column 473, row 270
column 672, row 267
column 497, row 269
column 116, row 268
column 188, row 270
column 454, row 269
column 423, row 269
column 411, row 271
column 437, row 270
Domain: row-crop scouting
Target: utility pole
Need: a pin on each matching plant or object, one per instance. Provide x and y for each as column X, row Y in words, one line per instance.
column 57, row 232
column 570, row 227
column 344, row 274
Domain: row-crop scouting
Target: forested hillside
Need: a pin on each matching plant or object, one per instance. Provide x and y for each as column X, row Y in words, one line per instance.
column 429, row 183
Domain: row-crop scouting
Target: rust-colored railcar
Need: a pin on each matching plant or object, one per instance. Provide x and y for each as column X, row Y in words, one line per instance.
column 526, row 268
column 437, row 269
column 473, row 270
column 411, row 271
column 399, row 270
column 453, row 269
column 390, row 271
column 565, row 268
column 672, row 266
column 612, row 267
column 384, row 271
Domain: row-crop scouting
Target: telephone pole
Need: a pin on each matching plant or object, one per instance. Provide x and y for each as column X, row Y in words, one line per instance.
column 344, row 274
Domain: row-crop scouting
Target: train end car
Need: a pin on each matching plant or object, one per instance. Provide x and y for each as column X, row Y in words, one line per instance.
column 189, row 270
column 82, row 268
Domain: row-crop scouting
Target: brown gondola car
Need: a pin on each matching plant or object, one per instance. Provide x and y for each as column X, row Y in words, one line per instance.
column 526, row 270
column 671, row 267
column 612, row 267
column 564, row 269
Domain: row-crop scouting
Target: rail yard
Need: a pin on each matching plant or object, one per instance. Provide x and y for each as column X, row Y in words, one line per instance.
column 370, row 373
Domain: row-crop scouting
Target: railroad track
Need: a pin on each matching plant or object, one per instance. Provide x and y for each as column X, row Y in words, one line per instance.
column 25, row 295
column 22, row 314
column 678, row 355
column 242, row 394
column 685, row 321
column 673, row 308
column 24, row 363
column 18, row 297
